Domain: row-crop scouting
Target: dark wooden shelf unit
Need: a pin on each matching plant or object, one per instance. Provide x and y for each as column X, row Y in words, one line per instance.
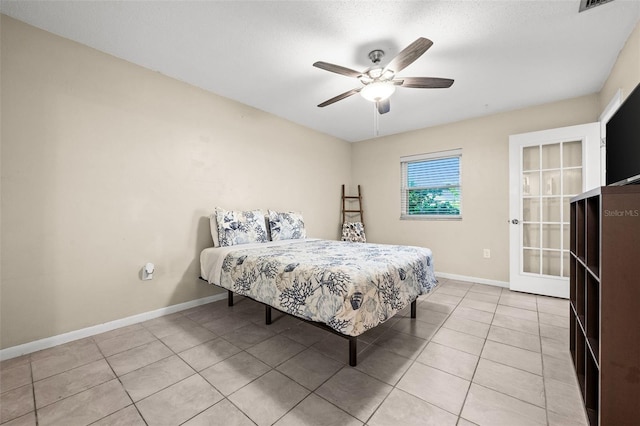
column 592, row 315
column 605, row 302
column 592, row 237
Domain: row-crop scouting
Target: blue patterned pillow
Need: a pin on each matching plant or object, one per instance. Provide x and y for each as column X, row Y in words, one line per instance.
column 240, row 227
column 286, row 226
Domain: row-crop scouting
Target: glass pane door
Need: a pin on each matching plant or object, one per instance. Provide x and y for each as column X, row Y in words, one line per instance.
column 551, row 175
column 546, row 169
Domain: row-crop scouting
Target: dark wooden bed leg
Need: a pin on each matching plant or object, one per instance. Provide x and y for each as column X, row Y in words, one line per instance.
column 267, row 314
column 230, row 297
column 353, row 351
column 414, row 305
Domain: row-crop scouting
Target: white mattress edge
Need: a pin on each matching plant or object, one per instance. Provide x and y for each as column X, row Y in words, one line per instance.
column 211, row 258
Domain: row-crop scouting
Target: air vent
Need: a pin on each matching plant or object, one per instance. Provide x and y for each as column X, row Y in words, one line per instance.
column 590, row 4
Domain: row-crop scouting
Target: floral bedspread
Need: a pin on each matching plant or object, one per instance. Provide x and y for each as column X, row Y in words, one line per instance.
column 351, row 287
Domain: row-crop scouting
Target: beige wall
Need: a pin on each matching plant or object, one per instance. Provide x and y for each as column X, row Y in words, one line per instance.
column 457, row 245
column 625, row 74
column 107, row 166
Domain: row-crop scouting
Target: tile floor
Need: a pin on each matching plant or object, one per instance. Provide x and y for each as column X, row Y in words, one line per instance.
column 476, row 354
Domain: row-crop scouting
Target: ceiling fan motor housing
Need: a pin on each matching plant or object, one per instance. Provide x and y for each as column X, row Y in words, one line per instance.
column 376, row 56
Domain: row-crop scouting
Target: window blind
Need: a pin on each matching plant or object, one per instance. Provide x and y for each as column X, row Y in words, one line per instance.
column 431, row 185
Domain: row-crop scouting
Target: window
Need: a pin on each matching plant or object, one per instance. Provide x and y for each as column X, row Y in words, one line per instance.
column 431, row 186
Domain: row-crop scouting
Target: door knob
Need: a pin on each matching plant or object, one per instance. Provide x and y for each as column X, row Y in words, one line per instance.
column 515, row 221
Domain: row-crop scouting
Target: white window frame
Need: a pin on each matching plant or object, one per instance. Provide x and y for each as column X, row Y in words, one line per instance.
column 404, row 161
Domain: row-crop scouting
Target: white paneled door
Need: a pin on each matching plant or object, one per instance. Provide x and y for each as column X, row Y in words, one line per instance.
column 546, row 169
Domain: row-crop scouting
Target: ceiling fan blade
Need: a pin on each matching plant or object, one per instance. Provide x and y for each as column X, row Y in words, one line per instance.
column 409, row 54
column 340, row 97
column 425, row 82
column 337, row 69
column 383, row 106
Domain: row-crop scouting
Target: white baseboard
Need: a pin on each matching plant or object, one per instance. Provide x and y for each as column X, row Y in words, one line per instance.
column 60, row 339
column 472, row 279
column 52, row 341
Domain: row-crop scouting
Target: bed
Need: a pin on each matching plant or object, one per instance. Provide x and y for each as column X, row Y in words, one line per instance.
column 347, row 288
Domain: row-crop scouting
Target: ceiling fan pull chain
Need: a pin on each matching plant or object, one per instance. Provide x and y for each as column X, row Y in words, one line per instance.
column 376, row 121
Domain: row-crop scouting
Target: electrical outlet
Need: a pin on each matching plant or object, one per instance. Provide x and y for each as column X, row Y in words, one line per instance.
column 486, row 253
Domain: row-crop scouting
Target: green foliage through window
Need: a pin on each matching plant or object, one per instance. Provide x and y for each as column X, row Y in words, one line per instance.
column 435, row 201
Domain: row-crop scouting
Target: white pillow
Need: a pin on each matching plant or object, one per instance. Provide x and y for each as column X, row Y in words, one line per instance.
column 213, row 224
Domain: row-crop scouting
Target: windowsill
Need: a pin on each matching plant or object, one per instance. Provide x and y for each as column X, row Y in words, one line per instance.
column 429, row 217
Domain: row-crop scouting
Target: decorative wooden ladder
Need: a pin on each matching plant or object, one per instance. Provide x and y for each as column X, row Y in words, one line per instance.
column 352, row 212
column 352, row 231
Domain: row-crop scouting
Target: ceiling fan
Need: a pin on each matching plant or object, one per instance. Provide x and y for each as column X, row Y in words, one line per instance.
column 379, row 82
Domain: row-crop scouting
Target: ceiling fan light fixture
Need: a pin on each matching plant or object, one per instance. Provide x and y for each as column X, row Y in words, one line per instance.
column 365, row 79
column 378, row 91
column 387, row 75
column 375, row 72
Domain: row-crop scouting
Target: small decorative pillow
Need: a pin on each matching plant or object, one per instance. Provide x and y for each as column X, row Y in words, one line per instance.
column 286, row 226
column 240, row 227
column 354, row 232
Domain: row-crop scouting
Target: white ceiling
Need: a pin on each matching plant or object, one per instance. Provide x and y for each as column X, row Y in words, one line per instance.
column 503, row 55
